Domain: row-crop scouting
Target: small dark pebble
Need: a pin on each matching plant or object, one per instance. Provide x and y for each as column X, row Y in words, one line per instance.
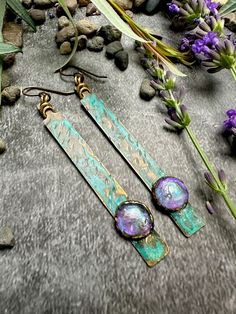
column 43, row 4
column 109, row 33
column 9, row 60
column 152, row 6
column 7, row 239
column 82, row 42
column 113, row 48
column 65, row 34
column 38, row 16
column 122, row 60
column 95, row 44
column 27, row 3
column 3, row 146
column 10, row 16
column 72, row 6
column 10, row 95
column 91, row 9
column 147, row 92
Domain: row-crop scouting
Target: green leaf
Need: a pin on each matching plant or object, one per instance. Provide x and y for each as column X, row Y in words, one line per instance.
column 2, row 13
column 8, row 48
column 65, row 8
column 115, row 19
column 229, row 7
column 18, row 8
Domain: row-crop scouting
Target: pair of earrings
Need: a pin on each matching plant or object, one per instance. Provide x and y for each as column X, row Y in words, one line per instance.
column 133, row 219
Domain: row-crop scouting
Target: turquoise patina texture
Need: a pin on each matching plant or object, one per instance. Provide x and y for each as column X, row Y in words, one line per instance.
column 127, row 145
column 152, row 248
column 187, row 219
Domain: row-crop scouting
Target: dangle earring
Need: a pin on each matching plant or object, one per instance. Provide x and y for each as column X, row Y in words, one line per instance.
column 133, row 220
column 169, row 193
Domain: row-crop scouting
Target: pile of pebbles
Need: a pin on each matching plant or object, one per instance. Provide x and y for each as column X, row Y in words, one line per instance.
column 13, row 33
column 146, row 6
column 93, row 38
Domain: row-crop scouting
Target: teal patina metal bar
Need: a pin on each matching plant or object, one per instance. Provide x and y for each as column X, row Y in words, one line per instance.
column 187, row 219
column 152, row 248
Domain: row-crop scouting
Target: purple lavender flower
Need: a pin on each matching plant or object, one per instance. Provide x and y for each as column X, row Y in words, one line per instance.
column 212, row 6
column 180, row 120
column 211, row 39
column 230, row 123
column 204, row 45
column 198, row 46
column 173, row 8
column 222, row 177
column 186, row 42
column 210, row 208
column 173, row 115
column 223, row 56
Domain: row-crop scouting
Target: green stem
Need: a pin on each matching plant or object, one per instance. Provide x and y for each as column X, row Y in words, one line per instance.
column 212, row 170
column 161, row 48
column 220, row 187
column 233, row 71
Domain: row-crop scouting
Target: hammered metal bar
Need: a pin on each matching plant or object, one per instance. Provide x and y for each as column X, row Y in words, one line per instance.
column 188, row 221
column 152, row 248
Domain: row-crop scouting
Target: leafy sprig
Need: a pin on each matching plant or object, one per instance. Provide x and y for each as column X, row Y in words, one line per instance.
column 207, row 41
column 179, row 119
column 119, row 18
column 227, row 8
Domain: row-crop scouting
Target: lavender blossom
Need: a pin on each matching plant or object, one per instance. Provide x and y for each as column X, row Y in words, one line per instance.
column 222, row 177
column 212, row 6
column 210, row 180
column 173, row 8
column 180, row 119
column 210, row 24
column 187, row 42
column 230, row 123
column 207, row 42
column 222, row 56
column 192, row 11
column 210, row 208
column 204, row 45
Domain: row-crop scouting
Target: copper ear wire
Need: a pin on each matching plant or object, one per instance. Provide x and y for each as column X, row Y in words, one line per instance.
column 44, row 105
column 80, row 87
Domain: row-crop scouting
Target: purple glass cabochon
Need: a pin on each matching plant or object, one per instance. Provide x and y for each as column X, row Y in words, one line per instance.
column 134, row 220
column 170, row 193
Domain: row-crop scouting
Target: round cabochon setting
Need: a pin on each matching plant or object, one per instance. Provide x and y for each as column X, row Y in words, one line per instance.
column 134, row 220
column 170, row 193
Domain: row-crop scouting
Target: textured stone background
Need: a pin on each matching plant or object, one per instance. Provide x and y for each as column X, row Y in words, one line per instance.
column 68, row 257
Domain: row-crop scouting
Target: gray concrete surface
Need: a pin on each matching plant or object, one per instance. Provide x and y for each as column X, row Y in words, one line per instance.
column 68, row 257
